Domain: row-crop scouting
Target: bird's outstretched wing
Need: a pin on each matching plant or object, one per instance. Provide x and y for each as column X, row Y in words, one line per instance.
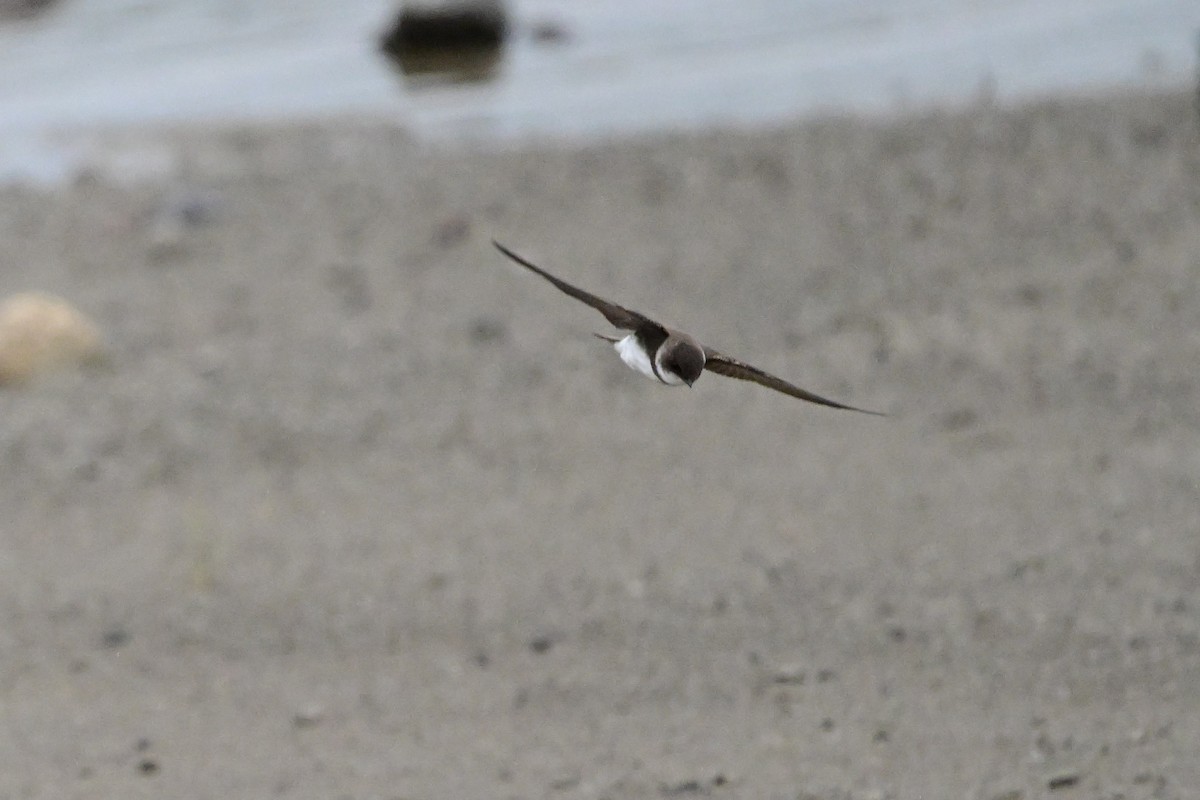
column 732, row 368
column 619, row 316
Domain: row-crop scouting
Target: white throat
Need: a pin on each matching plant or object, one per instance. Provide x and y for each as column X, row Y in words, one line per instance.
column 638, row 360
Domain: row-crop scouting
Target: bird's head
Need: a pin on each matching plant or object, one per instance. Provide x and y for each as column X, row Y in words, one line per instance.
column 684, row 358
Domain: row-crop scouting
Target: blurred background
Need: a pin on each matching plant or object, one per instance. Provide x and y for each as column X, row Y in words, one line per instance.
column 564, row 68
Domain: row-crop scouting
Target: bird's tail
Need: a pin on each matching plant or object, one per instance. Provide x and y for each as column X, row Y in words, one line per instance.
column 606, row 337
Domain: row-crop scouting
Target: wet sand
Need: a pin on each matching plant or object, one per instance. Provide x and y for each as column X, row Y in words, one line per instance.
column 359, row 509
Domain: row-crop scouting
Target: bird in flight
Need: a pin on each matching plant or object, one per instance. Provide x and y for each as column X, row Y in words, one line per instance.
column 670, row 356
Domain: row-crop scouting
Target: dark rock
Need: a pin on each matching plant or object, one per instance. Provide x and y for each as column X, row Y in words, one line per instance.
column 541, row 644
column 1064, row 781
column 457, row 38
column 789, row 675
column 115, row 637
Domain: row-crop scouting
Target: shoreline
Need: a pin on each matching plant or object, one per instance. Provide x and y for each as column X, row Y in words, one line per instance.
column 141, row 152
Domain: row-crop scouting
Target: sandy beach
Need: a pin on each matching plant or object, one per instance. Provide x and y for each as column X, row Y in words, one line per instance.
column 358, row 509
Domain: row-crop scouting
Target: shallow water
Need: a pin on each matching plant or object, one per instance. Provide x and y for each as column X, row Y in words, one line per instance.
column 619, row 66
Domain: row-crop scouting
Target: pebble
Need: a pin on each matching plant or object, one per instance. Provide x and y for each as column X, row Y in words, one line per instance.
column 40, row 332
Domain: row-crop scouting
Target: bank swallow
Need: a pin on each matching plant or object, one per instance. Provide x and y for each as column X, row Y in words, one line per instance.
column 670, row 356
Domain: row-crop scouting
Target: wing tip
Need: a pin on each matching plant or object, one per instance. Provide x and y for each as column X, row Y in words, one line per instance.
column 524, row 262
column 843, row 407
